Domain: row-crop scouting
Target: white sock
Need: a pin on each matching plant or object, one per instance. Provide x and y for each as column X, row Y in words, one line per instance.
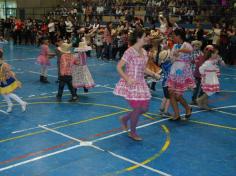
column 8, row 100
column 16, row 98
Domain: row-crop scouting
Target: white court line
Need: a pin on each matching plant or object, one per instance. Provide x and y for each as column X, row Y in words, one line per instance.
column 20, row 59
column 40, row 73
column 131, row 161
column 4, row 112
column 52, row 69
column 104, row 86
column 156, row 98
column 28, row 129
column 99, row 139
column 39, row 158
column 62, row 134
column 139, row 127
column 42, row 94
column 82, row 143
column 216, row 110
column 31, row 96
column 223, row 112
column 90, row 144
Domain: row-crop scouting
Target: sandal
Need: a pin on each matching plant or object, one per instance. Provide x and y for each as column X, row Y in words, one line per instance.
column 135, row 137
column 187, row 116
column 175, row 119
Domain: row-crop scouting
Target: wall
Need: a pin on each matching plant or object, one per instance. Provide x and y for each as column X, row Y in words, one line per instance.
column 37, row 3
column 34, row 8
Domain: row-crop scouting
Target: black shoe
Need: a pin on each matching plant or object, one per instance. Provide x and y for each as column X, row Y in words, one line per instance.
column 41, row 78
column 175, row 119
column 45, row 80
column 58, row 99
column 194, row 102
column 166, row 115
column 85, row 90
column 187, row 116
column 74, row 99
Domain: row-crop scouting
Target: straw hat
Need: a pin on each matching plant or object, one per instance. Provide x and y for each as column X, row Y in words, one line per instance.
column 163, row 55
column 197, row 43
column 83, row 47
column 161, row 14
column 65, row 48
column 154, row 34
column 210, row 48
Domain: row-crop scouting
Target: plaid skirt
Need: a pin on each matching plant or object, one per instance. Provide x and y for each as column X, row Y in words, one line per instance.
column 81, row 77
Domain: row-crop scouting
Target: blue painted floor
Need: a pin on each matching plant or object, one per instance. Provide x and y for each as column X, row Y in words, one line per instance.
column 85, row 139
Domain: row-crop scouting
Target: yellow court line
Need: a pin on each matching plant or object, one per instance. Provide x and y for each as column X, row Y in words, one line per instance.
column 200, row 122
column 163, row 149
column 22, row 136
column 88, row 120
column 75, row 123
column 213, row 125
column 155, row 114
column 93, row 104
column 152, row 158
column 45, row 97
column 149, row 117
column 95, row 118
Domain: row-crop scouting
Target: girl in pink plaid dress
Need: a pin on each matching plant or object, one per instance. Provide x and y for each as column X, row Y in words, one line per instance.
column 132, row 85
column 43, row 59
column 81, row 76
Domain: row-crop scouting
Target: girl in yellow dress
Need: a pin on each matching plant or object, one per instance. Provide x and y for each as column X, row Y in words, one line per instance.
column 9, row 83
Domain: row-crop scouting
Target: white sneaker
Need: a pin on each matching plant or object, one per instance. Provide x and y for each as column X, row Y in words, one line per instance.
column 9, row 109
column 23, row 106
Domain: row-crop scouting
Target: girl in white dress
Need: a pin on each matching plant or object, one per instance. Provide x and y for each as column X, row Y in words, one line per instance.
column 209, row 74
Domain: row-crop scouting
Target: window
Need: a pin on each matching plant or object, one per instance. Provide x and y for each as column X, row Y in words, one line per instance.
column 7, row 8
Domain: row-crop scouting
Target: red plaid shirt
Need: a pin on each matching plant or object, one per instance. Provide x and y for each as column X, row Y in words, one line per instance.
column 66, row 63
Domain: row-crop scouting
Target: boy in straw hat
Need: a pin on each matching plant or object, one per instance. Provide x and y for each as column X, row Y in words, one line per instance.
column 81, row 76
column 166, row 64
column 65, row 77
column 198, row 60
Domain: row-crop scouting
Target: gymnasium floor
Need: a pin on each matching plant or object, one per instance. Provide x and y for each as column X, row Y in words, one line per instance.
column 85, row 139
